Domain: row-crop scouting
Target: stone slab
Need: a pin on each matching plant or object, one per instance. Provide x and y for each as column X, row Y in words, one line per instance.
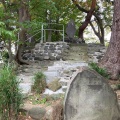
column 51, row 75
column 25, row 79
column 89, row 97
column 70, row 30
column 25, row 88
column 50, row 92
column 37, row 113
column 55, row 67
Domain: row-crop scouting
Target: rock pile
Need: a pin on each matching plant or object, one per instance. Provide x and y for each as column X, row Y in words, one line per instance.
column 95, row 52
column 47, row 51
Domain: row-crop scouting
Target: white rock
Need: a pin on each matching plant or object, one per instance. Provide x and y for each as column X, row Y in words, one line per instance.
column 50, row 92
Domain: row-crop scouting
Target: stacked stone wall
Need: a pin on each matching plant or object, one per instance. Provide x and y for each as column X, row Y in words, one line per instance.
column 47, row 51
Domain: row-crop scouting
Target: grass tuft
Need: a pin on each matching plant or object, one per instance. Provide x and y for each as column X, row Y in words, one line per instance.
column 101, row 71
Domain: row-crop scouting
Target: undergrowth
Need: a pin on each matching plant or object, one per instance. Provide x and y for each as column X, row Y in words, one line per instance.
column 10, row 94
column 39, row 82
column 101, row 71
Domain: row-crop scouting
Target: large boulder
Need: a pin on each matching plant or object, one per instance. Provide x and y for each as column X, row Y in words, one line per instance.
column 89, row 97
column 54, row 85
column 37, row 113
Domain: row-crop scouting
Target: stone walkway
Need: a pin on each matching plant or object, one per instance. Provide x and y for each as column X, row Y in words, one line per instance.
column 78, row 55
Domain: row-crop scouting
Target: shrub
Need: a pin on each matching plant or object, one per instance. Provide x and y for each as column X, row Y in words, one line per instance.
column 118, row 86
column 101, row 71
column 39, row 82
column 10, row 96
column 5, row 56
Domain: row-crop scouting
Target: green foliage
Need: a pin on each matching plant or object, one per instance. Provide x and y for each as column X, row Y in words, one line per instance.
column 5, row 56
column 52, row 11
column 6, row 34
column 39, row 83
column 37, row 99
column 101, row 71
column 41, row 101
column 10, row 96
column 118, row 86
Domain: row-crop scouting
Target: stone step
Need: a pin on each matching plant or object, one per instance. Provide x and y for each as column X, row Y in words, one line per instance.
column 55, row 67
column 25, row 78
column 25, row 89
column 70, row 64
column 51, row 75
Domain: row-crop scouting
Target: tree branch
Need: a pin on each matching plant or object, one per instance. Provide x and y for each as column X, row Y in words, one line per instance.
column 93, row 28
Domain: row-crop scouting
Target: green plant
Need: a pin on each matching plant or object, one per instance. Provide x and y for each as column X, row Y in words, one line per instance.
column 37, row 99
column 118, row 86
column 101, row 71
column 39, row 82
column 10, row 96
column 41, row 101
column 5, row 56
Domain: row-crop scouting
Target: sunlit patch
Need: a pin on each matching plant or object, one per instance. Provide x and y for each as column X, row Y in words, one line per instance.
column 1, row 5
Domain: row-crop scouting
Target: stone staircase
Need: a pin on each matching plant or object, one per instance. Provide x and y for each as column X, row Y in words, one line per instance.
column 63, row 70
column 74, row 58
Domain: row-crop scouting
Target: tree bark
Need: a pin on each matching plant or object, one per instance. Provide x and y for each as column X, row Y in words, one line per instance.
column 87, row 20
column 23, row 17
column 22, row 36
column 111, row 60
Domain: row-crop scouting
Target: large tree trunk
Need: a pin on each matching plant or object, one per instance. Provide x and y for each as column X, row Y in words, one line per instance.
column 21, row 46
column 111, row 60
column 87, row 20
column 23, row 17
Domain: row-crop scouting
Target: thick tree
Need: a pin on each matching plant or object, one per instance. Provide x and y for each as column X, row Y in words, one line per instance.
column 87, row 19
column 24, row 16
column 111, row 60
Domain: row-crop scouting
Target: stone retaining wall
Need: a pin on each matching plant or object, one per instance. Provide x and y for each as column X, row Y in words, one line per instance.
column 47, row 51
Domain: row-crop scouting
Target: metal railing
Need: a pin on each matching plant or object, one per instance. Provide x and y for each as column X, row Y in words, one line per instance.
column 43, row 30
